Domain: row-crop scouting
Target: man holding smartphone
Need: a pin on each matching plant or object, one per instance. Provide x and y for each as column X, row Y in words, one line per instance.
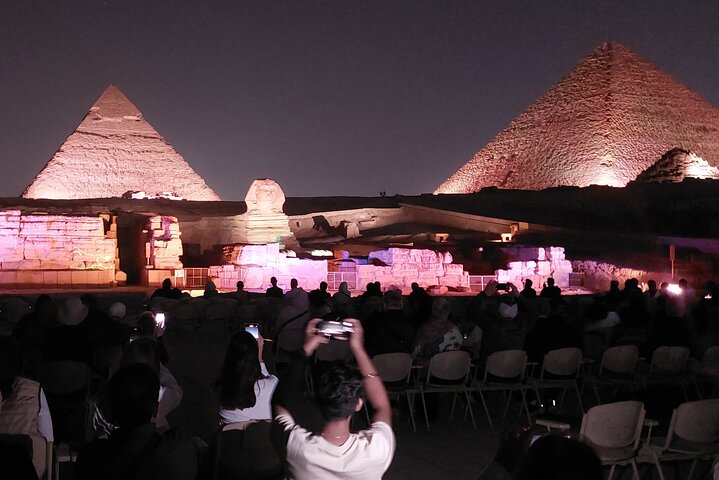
column 335, row 452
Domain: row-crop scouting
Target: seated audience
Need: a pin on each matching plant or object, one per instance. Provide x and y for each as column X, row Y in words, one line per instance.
column 245, row 387
column 166, row 291
column 550, row 290
column 342, row 301
column 528, row 292
column 555, row 457
column 274, row 291
column 69, row 340
column 134, row 449
column 23, row 408
column 438, row 334
column 241, row 295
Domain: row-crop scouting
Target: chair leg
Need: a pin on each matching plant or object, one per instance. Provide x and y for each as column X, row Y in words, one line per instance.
column 424, row 407
column 526, row 407
column 486, row 410
column 579, row 398
column 657, row 463
column 451, row 410
column 410, row 403
column 691, row 470
column 596, row 393
column 635, row 469
column 611, row 472
column 469, row 405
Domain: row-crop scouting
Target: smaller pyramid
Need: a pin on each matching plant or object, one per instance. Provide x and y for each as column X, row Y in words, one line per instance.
column 676, row 165
column 113, row 151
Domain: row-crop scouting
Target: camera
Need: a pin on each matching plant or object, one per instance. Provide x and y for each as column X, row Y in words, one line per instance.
column 253, row 329
column 160, row 319
column 334, row 328
column 502, row 286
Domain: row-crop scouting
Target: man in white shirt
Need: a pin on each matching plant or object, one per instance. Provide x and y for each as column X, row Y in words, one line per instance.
column 336, row 453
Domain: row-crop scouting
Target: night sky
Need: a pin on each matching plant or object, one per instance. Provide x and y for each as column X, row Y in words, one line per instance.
column 326, row 97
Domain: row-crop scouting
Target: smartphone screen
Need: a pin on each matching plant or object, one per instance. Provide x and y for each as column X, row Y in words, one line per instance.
column 160, row 319
column 253, row 329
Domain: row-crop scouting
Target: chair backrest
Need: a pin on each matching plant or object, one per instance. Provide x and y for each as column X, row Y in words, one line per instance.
column 710, row 361
column 562, row 362
column 182, row 311
column 393, row 367
column 219, row 308
column 245, row 450
column 696, row 421
column 506, row 364
column 449, row 366
column 290, row 339
column 669, row 360
column 614, row 425
column 333, row 350
column 620, row 359
column 105, row 360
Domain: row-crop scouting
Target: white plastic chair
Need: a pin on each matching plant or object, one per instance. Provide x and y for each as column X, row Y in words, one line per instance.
column 693, row 435
column 395, row 369
column 614, row 431
column 505, row 372
column 617, row 368
column 668, row 366
column 708, row 371
column 448, row 372
column 560, row 369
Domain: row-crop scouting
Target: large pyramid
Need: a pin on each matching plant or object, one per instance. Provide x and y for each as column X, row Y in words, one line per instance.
column 610, row 118
column 115, row 150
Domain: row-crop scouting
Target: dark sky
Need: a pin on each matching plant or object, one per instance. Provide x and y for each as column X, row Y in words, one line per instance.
column 326, row 97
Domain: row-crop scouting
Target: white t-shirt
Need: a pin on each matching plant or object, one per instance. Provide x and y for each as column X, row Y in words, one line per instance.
column 264, row 388
column 364, row 456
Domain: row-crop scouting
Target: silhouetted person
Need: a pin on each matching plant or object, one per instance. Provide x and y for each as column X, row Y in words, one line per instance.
column 69, row 340
column 555, row 457
column 323, row 289
column 294, row 284
column 241, row 295
column 550, row 290
column 274, row 291
column 528, row 291
column 134, row 449
column 31, row 330
column 420, row 304
column 210, row 290
column 166, row 291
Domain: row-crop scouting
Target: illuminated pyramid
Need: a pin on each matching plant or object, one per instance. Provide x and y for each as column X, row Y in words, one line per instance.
column 609, row 119
column 113, row 151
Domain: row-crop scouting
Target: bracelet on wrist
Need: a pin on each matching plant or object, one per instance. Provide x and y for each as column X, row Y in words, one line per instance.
column 371, row 375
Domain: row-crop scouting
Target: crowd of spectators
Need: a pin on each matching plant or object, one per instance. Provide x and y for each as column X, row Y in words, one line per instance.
column 126, row 433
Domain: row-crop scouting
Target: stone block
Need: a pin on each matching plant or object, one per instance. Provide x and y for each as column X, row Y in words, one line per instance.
column 453, row 269
column 28, row 277
column 64, row 277
column 49, row 278
column 8, row 277
column 78, row 277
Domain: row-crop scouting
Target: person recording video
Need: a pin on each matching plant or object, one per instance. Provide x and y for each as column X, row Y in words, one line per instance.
column 333, row 451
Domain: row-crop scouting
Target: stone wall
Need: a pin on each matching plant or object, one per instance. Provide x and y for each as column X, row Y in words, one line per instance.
column 256, row 264
column 536, row 264
column 164, row 249
column 598, row 275
column 403, row 266
column 56, row 250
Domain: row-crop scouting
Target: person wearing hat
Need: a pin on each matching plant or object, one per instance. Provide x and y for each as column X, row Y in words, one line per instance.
column 69, row 340
column 114, row 332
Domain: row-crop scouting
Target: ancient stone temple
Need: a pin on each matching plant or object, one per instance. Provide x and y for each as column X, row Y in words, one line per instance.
column 113, row 151
column 609, row 119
